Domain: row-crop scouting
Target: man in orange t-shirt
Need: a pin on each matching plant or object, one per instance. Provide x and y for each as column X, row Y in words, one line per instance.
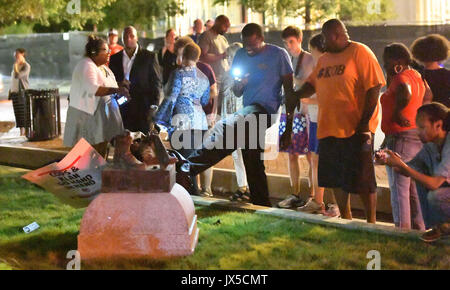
column 113, row 39
column 347, row 81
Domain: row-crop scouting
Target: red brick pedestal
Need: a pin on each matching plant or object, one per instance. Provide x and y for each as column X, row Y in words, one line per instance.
column 139, row 214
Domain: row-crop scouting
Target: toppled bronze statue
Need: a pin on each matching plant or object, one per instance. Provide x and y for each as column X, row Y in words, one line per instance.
column 123, row 158
column 144, row 152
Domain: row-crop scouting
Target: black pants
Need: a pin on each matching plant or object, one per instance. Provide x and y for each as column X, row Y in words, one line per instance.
column 227, row 136
column 20, row 109
column 186, row 147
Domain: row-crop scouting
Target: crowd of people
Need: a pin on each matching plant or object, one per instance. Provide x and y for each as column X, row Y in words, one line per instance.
column 330, row 104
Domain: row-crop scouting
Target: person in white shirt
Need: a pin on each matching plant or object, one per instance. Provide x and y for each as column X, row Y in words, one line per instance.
column 93, row 112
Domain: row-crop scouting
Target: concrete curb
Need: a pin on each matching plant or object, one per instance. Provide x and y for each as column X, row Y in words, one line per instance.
column 27, row 157
column 355, row 224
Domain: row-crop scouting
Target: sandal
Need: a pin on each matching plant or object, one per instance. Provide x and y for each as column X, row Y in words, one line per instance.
column 240, row 196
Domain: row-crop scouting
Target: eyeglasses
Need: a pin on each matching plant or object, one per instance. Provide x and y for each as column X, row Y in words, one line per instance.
column 106, row 49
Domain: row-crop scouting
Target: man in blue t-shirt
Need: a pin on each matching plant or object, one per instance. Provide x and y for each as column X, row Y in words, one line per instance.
column 260, row 70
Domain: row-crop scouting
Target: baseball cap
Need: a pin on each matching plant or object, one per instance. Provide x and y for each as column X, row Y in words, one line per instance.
column 113, row 31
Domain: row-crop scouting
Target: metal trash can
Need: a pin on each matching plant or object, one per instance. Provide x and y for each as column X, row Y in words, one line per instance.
column 43, row 114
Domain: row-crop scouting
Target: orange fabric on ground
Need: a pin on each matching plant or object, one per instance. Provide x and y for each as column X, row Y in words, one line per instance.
column 341, row 81
column 414, row 80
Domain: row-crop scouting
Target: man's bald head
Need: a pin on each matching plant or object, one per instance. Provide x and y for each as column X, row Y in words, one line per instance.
column 335, row 35
column 129, row 29
column 221, row 24
column 333, row 25
column 129, row 37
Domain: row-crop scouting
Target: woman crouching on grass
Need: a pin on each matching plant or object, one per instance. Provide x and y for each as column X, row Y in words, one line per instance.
column 430, row 168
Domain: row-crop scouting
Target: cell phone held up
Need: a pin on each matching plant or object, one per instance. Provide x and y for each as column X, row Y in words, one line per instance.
column 380, row 157
column 121, row 100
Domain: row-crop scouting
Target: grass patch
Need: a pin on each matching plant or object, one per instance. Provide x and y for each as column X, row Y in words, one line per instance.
column 241, row 240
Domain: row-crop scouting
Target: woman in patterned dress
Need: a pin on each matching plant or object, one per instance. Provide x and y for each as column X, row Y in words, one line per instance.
column 181, row 111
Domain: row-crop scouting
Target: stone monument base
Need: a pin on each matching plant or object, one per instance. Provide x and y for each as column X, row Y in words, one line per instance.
column 139, row 225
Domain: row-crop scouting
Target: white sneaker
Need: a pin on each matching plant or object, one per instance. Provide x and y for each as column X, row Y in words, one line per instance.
column 332, row 211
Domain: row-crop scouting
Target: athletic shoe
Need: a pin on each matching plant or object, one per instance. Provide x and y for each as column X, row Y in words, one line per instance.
column 292, row 201
column 436, row 233
column 312, row 207
column 332, row 211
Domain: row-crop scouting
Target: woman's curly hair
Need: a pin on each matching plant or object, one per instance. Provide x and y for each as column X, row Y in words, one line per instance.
column 430, row 48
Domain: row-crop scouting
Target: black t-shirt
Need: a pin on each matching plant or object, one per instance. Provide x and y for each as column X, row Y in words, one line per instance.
column 439, row 82
column 168, row 63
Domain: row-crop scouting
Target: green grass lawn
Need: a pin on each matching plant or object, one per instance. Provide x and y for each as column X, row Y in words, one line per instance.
column 241, row 240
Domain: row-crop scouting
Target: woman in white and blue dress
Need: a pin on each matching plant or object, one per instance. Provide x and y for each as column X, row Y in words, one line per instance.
column 93, row 113
column 181, row 111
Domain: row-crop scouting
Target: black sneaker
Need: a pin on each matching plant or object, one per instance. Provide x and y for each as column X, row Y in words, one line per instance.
column 182, row 168
column 240, row 196
column 438, row 232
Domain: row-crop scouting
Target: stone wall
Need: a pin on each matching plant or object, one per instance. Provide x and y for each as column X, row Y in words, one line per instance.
column 54, row 55
column 48, row 54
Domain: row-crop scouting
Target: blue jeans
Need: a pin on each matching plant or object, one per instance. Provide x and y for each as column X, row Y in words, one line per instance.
column 439, row 206
column 405, row 203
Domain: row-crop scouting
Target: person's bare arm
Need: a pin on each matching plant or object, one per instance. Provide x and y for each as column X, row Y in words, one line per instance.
column 23, row 72
column 105, row 91
column 305, row 91
column 430, row 182
column 309, row 101
column 370, row 103
column 213, row 94
column 208, row 57
column 428, row 96
column 402, row 99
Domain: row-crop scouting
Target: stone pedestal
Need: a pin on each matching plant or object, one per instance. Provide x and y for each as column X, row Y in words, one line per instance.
column 154, row 218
